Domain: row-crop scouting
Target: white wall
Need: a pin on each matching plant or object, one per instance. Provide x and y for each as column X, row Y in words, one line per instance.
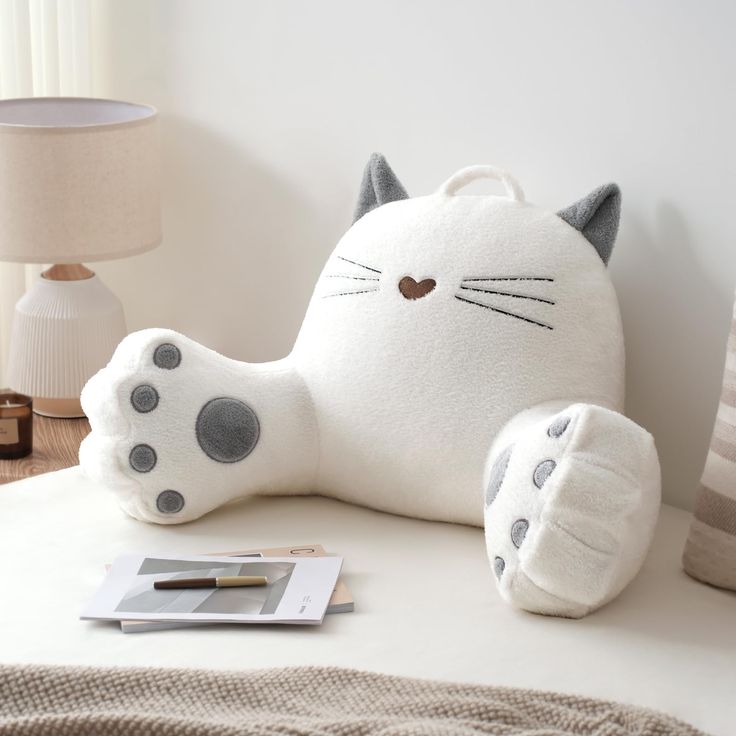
column 270, row 110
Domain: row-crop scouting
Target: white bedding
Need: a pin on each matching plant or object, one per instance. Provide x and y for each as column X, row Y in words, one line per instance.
column 425, row 603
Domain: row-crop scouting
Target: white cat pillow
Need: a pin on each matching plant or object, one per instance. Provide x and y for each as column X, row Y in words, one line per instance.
column 461, row 359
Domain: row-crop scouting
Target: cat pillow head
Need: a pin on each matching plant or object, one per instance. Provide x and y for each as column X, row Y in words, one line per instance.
column 497, row 253
column 461, row 360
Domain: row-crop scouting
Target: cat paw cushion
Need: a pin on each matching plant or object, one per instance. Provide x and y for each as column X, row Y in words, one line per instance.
column 461, row 359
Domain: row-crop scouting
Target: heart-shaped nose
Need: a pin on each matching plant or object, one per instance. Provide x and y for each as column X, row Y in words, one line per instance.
column 410, row 289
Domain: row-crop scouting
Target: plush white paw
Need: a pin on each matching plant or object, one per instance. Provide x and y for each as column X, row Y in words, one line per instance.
column 571, row 508
column 177, row 429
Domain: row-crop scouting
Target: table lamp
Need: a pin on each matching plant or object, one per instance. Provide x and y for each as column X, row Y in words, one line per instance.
column 79, row 181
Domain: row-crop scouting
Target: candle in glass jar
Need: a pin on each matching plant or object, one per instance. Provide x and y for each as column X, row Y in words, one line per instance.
column 16, row 425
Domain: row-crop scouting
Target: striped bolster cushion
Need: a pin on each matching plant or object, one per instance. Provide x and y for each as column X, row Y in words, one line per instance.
column 710, row 551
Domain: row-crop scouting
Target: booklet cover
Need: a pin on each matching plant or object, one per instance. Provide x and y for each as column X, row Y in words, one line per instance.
column 340, row 602
column 298, row 591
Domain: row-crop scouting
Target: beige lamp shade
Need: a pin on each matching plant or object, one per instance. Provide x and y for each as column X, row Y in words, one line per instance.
column 79, row 180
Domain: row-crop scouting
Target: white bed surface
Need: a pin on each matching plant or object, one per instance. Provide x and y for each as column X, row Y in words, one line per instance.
column 425, row 603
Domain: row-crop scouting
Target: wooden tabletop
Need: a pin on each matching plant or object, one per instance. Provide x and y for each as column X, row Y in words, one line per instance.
column 55, row 446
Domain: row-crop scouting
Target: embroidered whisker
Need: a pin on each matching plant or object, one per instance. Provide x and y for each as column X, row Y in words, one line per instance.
column 355, row 263
column 345, row 276
column 508, row 293
column 349, row 293
column 508, row 314
column 511, row 278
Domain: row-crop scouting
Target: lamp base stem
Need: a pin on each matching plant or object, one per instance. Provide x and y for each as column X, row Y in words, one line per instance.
column 68, row 272
column 58, row 408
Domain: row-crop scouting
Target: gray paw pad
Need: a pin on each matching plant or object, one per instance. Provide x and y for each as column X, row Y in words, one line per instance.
column 142, row 458
column 543, row 471
column 170, row 502
column 167, row 356
column 558, row 427
column 227, row 430
column 497, row 473
column 518, row 531
column 144, row 398
column 499, row 566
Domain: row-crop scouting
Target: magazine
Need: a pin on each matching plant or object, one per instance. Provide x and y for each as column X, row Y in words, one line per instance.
column 298, row 590
column 340, row 602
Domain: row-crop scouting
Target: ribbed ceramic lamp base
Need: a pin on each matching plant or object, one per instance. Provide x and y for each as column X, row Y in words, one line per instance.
column 63, row 333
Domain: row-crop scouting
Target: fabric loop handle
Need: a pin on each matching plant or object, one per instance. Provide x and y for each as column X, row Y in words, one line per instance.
column 482, row 171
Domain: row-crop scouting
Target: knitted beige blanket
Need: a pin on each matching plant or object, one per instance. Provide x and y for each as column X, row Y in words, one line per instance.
column 71, row 701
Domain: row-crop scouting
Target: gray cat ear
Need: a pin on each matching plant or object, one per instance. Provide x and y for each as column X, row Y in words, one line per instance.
column 379, row 186
column 596, row 217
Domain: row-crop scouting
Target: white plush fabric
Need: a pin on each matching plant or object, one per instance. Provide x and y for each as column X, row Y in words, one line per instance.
column 395, row 402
